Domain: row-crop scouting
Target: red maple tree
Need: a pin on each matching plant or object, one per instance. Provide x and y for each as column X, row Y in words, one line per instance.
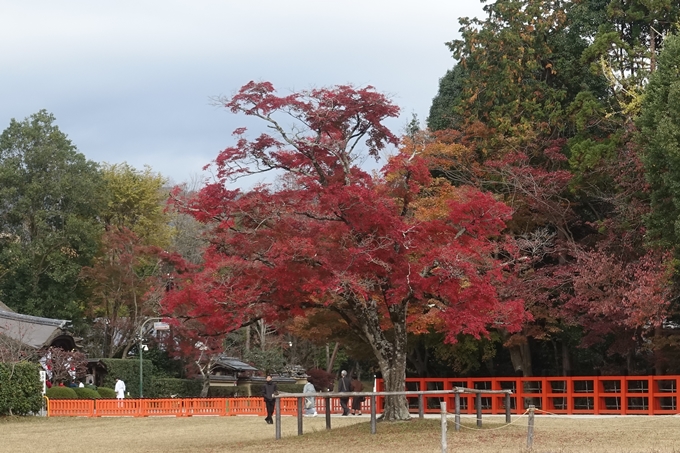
column 329, row 235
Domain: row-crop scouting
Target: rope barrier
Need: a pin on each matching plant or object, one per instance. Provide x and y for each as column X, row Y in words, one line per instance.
column 518, row 418
column 620, row 418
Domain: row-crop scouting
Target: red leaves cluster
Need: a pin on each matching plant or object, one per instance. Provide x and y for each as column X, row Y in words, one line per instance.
column 333, row 236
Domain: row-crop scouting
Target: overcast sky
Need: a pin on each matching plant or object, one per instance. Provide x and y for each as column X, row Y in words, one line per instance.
column 131, row 80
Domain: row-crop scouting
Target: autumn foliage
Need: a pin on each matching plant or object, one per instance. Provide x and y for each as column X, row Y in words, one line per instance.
column 329, row 235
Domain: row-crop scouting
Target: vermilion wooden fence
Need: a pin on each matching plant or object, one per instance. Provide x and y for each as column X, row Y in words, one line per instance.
column 616, row 395
column 178, row 407
column 595, row 395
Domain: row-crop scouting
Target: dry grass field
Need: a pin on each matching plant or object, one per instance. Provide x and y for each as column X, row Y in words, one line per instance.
column 251, row 434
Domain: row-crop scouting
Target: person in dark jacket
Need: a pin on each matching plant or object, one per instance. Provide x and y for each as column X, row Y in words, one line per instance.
column 357, row 386
column 268, row 392
column 345, row 385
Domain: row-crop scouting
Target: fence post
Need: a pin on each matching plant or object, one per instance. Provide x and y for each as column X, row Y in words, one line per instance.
column 457, row 417
column 299, row 415
column 373, row 418
column 530, row 429
column 508, row 418
column 444, row 444
column 327, row 400
column 421, row 407
column 278, row 418
column 478, row 402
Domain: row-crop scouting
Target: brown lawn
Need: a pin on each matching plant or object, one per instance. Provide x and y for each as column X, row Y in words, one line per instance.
column 251, row 434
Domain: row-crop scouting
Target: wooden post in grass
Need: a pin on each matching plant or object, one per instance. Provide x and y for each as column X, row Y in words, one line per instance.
column 277, row 406
column 444, row 444
column 457, row 418
column 328, row 412
column 299, row 415
column 421, row 406
column 530, row 429
column 373, row 420
column 478, row 399
column 508, row 418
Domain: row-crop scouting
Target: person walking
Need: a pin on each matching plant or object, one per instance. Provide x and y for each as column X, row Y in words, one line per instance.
column 345, row 385
column 310, row 401
column 268, row 391
column 357, row 386
column 119, row 389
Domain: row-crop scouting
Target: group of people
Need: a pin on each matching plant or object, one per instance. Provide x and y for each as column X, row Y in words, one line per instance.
column 345, row 385
column 350, row 385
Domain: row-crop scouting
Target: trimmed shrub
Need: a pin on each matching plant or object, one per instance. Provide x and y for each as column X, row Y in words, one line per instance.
column 61, row 393
column 105, row 392
column 182, row 388
column 128, row 371
column 20, row 388
column 256, row 389
column 84, row 392
column 229, row 392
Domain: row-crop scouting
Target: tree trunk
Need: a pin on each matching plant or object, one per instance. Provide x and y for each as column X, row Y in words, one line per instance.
column 394, row 376
column 390, row 350
column 330, row 358
column 206, row 387
column 520, row 355
column 566, row 360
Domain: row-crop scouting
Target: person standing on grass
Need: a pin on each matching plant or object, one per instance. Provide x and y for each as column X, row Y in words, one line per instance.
column 345, row 385
column 119, row 389
column 310, row 401
column 268, row 391
column 357, row 386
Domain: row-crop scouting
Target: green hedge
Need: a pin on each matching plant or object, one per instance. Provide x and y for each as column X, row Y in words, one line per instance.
column 84, row 392
column 128, row 371
column 20, row 388
column 229, row 392
column 105, row 392
column 256, row 389
column 61, row 393
column 181, row 388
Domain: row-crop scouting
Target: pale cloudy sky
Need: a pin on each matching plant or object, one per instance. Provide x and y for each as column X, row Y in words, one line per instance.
column 131, row 80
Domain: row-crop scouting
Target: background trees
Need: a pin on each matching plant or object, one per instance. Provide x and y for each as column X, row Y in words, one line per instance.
column 544, row 109
column 50, row 196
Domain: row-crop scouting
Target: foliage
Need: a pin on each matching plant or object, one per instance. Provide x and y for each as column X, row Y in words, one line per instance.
column 256, row 389
column 64, row 366
column 269, row 361
column 660, row 138
column 83, row 392
column 135, row 200
column 333, row 237
column 58, row 392
column 106, row 392
column 121, row 279
column 321, row 379
column 442, row 111
column 128, row 371
column 50, row 196
column 20, row 388
column 229, row 392
column 180, row 388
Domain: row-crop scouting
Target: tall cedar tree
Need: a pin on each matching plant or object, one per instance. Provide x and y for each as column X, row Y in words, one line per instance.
column 329, row 235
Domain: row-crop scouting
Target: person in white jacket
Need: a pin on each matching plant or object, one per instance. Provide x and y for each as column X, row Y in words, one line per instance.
column 120, row 389
column 310, row 401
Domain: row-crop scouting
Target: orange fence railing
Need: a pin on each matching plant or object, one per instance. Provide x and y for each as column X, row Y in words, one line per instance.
column 595, row 395
column 179, row 407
